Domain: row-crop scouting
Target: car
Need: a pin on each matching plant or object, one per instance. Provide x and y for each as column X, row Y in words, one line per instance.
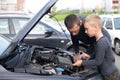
column 45, row 33
column 24, row 61
column 111, row 23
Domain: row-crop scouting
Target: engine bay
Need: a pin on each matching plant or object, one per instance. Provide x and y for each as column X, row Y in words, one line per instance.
column 44, row 61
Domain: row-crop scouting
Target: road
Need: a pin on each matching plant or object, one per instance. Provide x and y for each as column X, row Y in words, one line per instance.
column 117, row 61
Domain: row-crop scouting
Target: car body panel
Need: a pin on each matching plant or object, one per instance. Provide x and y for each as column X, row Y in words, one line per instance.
column 24, row 61
column 23, row 52
column 40, row 34
column 6, row 75
column 27, row 27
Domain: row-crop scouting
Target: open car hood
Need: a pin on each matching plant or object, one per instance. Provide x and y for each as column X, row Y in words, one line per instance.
column 28, row 27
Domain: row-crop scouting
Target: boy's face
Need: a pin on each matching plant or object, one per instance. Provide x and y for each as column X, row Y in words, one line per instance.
column 90, row 29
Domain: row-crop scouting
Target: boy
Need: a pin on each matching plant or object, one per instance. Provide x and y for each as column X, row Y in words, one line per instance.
column 103, row 56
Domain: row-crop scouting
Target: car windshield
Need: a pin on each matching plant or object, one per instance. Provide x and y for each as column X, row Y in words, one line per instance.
column 4, row 43
column 117, row 23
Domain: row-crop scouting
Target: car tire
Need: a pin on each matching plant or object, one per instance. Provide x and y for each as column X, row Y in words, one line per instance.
column 117, row 47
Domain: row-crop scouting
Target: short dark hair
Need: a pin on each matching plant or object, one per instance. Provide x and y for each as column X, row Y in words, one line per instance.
column 70, row 20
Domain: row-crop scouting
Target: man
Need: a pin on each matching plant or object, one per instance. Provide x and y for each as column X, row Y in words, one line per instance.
column 103, row 55
column 75, row 26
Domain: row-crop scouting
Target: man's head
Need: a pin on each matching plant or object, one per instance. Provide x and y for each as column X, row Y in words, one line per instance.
column 73, row 22
column 92, row 25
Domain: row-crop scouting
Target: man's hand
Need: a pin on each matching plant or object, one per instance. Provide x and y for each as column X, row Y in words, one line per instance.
column 78, row 63
column 85, row 56
column 79, row 56
column 76, row 57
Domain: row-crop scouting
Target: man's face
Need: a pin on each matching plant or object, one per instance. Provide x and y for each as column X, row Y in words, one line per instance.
column 74, row 30
column 90, row 29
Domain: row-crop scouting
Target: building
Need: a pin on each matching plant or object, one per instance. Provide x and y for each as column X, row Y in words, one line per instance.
column 106, row 6
column 109, row 5
column 115, row 6
column 12, row 5
column 98, row 5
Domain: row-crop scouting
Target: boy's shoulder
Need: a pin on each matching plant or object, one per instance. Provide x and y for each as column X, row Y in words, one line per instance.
column 103, row 41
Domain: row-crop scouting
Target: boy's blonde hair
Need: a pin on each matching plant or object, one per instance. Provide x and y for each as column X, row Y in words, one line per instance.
column 94, row 19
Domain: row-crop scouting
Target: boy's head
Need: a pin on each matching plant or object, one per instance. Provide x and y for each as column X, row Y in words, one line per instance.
column 73, row 23
column 92, row 25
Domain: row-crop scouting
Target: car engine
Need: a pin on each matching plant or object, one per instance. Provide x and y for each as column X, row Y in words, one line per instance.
column 44, row 61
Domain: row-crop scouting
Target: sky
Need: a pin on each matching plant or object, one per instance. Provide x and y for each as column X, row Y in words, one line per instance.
column 35, row 5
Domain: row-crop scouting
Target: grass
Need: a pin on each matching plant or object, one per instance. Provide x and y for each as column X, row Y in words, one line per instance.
column 61, row 15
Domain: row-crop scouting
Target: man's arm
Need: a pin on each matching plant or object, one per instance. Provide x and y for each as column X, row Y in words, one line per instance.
column 75, row 42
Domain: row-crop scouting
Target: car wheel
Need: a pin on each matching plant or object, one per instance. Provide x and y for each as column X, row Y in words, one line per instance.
column 117, row 47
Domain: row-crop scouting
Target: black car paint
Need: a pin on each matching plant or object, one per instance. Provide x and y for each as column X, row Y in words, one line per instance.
column 18, row 50
column 6, row 75
column 52, row 38
column 25, row 30
column 60, row 39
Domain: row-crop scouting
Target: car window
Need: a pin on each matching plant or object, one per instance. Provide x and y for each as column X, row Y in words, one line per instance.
column 4, row 43
column 117, row 23
column 38, row 29
column 4, row 27
column 19, row 23
column 109, row 23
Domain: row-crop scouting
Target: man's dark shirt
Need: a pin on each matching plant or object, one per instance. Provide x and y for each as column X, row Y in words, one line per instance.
column 83, row 37
column 103, row 57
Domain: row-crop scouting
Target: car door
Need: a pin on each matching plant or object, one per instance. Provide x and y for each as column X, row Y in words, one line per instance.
column 43, row 35
column 116, row 29
column 109, row 26
column 60, row 35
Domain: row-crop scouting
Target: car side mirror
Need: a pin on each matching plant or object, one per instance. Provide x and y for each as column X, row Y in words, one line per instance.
column 48, row 33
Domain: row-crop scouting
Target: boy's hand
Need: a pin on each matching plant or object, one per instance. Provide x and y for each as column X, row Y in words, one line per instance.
column 85, row 56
